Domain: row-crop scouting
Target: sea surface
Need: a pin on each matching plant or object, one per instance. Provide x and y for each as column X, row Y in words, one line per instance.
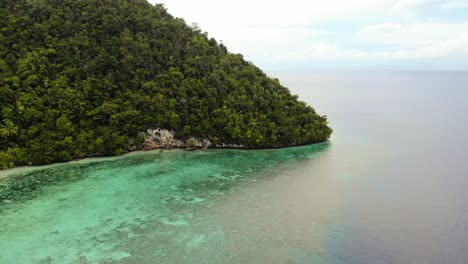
column 391, row 186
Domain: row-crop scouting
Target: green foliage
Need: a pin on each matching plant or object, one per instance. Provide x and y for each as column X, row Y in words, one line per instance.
column 84, row 77
column 7, row 158
column 190, row 144
column 8, row 130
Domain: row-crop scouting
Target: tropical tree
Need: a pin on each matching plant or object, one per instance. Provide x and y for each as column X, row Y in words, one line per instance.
column 8, row 130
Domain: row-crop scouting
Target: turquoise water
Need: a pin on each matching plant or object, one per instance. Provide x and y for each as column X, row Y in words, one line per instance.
column 151, row 207
column 389, row 187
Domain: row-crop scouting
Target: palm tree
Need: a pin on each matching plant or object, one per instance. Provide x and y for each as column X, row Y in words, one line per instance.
column 8, row 130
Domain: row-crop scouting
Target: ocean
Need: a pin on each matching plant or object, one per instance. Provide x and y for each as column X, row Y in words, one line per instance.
column 389, row 187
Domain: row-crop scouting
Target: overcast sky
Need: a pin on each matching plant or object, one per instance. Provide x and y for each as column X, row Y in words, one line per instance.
column 337, row 34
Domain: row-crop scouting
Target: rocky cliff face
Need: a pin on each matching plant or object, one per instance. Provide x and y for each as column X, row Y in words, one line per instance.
column 163, row 138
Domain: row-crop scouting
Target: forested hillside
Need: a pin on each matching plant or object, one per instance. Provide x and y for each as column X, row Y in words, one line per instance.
column 84, row 78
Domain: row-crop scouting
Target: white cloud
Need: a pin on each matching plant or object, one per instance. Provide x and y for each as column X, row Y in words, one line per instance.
column 405, row 6
column 275, row 34
column 387, row 27
column 455, row 4
column 409, row 42
column 270, row 12
column 258, row 29
column 414, row 35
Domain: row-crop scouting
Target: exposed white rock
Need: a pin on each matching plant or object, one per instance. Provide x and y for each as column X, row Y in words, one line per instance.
column 198, row 142
column 160, row 138
column 163, row 138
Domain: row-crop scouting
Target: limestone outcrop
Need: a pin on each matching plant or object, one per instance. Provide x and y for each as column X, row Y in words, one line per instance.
column 166, row 139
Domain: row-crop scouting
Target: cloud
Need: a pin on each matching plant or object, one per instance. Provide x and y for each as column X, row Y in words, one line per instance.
column 274, row 34
column 259, row 29
column 271, row 12
column 455, row 5
column 405, row 6
column 413, row 35
column 414, row 42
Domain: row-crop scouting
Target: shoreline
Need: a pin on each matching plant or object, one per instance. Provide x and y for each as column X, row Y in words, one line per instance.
column 22, row 169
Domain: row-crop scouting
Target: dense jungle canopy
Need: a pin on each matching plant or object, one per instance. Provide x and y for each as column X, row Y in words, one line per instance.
column 82, row 78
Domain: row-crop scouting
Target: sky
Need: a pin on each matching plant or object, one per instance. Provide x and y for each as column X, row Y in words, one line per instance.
column 336, row 34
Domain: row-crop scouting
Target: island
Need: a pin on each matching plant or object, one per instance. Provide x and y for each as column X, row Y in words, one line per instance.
column 86, row 78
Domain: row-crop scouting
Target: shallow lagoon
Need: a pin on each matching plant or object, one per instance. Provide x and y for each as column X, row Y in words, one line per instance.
column 144, row 207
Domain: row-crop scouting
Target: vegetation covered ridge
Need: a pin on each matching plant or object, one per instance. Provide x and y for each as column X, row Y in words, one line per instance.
column 82, row 78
